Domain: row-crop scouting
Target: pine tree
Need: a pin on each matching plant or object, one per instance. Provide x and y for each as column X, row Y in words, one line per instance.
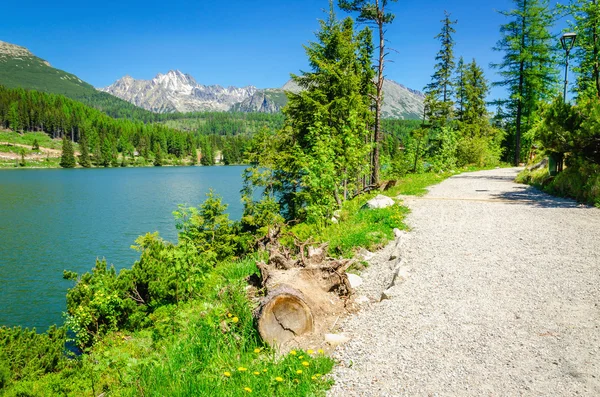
column 158, row 156
column 35, row 146
column 527, row 68
column 319, row 159
column 459, row 84
column 67, row 160
column 14, row 117
column 441, row 87
column 374, row 12
column 476, row 90
column 106, row 152
column 84, row 156
column 23, row 163
column 586, row 14
column 206, row 150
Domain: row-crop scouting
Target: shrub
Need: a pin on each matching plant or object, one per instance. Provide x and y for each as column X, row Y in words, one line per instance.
column 25, row 354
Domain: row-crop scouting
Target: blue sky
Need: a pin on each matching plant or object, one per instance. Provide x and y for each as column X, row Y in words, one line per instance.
column 237, row 42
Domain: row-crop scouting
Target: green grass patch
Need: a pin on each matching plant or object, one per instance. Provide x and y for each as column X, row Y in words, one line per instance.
column 27, row 138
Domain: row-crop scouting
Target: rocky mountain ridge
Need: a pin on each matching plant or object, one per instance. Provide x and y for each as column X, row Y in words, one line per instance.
column 179, row 92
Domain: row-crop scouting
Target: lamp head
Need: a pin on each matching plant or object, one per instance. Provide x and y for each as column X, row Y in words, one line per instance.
column 568, row 40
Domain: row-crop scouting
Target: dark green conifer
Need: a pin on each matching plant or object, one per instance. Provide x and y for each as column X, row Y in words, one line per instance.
column 84, row 157
column 158, row 157
column 67, row 160
column 527, row 68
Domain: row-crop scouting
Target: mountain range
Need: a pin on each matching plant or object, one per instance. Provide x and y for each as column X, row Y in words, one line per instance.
column 171, row 92
column 179, row 92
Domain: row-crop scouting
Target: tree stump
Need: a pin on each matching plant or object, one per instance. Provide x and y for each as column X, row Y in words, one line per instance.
column 284, row 315
column 306, row 292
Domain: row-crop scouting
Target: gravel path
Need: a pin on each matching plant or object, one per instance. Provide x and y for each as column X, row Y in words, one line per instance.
column 501, row 297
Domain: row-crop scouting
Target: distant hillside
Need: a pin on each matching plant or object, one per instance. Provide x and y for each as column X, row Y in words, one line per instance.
column 399, row 102
column 19, row 68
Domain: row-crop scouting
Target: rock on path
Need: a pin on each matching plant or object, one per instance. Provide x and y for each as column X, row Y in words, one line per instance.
column 503, row 298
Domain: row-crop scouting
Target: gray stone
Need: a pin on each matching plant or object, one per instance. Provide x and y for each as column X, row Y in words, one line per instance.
column 355, row 281
column 380, row 201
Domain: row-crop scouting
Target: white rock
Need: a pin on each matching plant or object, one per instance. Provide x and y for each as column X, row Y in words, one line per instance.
column 334, row 220
column 364, row 254
column 397, row 232
column 355, row 281
column 361, row 300
column 380, row 201
column 336, row 339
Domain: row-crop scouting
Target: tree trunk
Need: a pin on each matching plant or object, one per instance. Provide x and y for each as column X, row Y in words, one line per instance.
column 595, row 44
column 306, row 291
column 517, row 158
column 284, row 316
column 379, row 98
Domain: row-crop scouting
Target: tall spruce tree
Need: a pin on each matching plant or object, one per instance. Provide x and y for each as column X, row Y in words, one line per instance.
column 586, row 15
column 319, row 158
column 459, row 85
column 374, row 12
column 67, row 159
column 158, row 156
column 84, row 156
column 476, row 90
column 527, row 68
column 441, row 88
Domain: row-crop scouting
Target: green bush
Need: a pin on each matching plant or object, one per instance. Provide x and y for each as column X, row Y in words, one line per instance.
column 579, row 180
column 5, row 375
column 478, row 151
column 25, row 354
column 165, row 274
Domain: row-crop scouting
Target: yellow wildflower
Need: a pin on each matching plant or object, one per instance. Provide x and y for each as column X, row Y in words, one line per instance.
column 310, row 351
column 300, row 358
column 257, row 350
column 279, row 379
column 227, row 374
column 249, row 390
column 293, row 352
column 321, row 351
column 265, row 370
column 305, row 363
column 299, row 371
column 235, row 319
column 242, row 369
column 318, row 375
column 256, row 373
column 313, row 377
column 229, row 315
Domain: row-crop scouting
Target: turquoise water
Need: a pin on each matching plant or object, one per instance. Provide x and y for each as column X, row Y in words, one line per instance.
column 52, row 220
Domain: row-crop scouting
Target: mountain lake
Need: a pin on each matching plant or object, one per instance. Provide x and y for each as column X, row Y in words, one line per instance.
column 57, row 219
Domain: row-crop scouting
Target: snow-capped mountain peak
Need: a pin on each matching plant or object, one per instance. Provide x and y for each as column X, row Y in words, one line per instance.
column 177, row 91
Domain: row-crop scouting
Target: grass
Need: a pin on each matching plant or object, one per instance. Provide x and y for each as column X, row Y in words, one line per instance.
column 209, row 346
column 27, row 138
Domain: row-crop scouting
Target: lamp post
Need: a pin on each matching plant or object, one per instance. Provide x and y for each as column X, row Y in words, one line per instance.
column 567, row 40
column 555, row 164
